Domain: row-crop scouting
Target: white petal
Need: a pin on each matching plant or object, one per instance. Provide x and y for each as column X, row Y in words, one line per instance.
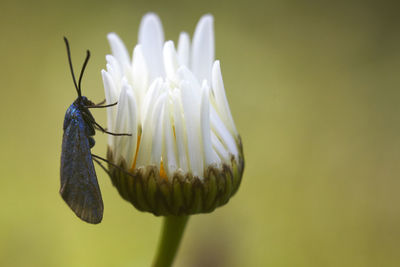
column 120, row 124
column 184, row 49
column 171, row 63
column 114, row 68
column 140, row 76
column 109, row 88
column 151, row 37
column 169, row 148
column 144, row 152
column 205, row 126
column 157, row 131
column 191, row 108
column 184, row 74
column 111, row 97
column 216, row 157
column 150, row 98
column 131, row 128
column 223, row 133
column 220, row 98
column 115, row 75
column 219, row 148
column 119, row 50
column 126, row 123
column 180, row 130
column 203, row 48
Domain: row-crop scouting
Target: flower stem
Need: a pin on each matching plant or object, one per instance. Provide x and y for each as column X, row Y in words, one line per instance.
column 172, row 232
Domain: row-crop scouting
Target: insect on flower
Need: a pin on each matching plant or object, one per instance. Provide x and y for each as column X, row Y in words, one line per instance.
column 79, row 186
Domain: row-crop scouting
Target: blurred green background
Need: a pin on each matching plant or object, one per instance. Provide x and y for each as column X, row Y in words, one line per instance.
column 314, row 90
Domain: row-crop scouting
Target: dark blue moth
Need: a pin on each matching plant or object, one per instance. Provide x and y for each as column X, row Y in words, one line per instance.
column 79, row 186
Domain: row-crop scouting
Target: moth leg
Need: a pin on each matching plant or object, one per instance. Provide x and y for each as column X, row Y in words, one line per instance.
column 105, row 160
column 100, row 105
column 98, row 126
column 95, row 157
column 101, row 165
column 91, row 121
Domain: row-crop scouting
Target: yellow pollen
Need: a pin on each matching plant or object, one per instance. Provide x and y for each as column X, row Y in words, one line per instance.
column 137, row 150
column 163, row 174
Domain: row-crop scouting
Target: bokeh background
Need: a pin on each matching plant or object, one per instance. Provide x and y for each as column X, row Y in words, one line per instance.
column 314, row 87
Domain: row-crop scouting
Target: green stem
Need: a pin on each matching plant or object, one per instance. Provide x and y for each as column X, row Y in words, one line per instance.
column 172, row 233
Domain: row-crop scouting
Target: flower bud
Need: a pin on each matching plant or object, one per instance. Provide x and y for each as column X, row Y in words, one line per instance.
column 184, row 155
column 180, row 194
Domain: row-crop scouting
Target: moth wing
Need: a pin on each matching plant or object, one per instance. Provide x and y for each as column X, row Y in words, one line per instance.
column 79, row 186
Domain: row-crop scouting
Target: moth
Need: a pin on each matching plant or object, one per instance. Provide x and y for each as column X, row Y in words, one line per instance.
column 79, row 186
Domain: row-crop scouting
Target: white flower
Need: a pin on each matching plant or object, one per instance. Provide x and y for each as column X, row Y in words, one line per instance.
column 171, row 100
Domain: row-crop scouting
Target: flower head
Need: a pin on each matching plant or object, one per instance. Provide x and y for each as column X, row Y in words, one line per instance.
column 185, row 154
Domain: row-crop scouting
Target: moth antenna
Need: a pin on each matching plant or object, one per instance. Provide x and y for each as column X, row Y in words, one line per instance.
column 83, row 69
column 70, row 66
